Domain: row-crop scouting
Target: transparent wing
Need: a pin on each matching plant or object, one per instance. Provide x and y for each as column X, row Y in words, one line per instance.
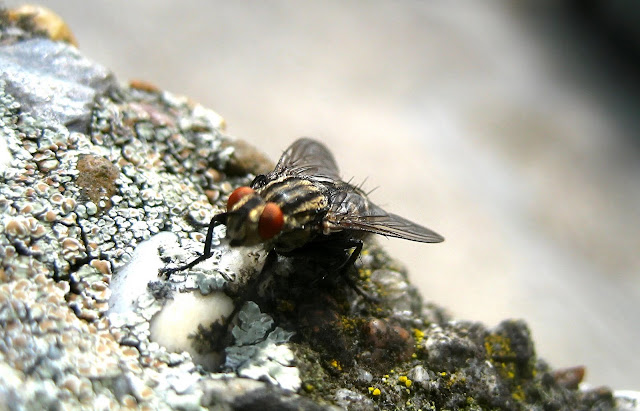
column 310, row 157
column 351, row 210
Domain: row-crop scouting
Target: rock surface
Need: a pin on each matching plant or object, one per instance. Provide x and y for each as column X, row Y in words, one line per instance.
column 94, row 173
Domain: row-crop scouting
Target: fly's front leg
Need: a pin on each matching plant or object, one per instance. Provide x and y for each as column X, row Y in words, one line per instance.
column 215, row 221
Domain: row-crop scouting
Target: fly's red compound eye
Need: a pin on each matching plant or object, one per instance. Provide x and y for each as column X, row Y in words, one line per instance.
column 271, row 221
column 237, row 194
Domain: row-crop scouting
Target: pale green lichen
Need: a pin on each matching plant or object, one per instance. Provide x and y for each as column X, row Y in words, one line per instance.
column 260, row 353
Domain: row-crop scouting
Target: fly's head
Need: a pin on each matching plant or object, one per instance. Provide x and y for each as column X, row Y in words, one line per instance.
column 250, row 219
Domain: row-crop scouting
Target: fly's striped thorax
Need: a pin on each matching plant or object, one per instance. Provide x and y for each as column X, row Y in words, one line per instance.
column 301, row 200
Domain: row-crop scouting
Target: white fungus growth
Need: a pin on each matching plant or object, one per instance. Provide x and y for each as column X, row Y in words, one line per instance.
column 181, row 317
column 131, row 281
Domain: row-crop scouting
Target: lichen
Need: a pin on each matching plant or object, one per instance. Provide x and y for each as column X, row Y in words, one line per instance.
column 97, row 177
column 83, row 204
column 259, row 352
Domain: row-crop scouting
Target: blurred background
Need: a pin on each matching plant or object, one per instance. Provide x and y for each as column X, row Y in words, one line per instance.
column 510, row 127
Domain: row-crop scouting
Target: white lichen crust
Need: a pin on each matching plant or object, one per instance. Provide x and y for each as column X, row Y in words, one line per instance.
column 83, row 214
column 104, row 185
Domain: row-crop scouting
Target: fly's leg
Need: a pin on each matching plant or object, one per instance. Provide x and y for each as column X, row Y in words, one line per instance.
column 357, row 249
column 343, row 269
column 215, row 221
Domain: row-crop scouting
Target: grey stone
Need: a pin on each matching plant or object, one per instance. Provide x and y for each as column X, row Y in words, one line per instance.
column 53, row 81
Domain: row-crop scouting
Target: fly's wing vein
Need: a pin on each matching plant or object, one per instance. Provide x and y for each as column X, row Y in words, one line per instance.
column 351, row 210
column 309, row 157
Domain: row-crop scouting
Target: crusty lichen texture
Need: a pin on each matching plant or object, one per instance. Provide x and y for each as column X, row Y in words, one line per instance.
column 104, row 187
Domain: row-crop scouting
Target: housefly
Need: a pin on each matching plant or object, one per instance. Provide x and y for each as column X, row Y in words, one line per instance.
column 303, row 204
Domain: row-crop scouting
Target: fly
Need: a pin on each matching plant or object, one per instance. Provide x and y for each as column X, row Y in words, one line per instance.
column 303, row 204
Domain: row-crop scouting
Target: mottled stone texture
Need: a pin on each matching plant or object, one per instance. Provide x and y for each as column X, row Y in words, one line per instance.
column 90, row 169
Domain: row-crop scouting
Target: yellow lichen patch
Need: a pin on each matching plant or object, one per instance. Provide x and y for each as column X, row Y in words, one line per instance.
column 507, row 370
column 418, row 335
column 364, row 273
column 403, row 379
column 350, row 323
column 336, row 364
column 518, row 393
column 456, row 379
column 499, row 351
column 497, row 346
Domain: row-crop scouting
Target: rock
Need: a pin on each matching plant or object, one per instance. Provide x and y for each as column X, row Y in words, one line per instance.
column 95, row 174
column 41, row 20
column 52, row 81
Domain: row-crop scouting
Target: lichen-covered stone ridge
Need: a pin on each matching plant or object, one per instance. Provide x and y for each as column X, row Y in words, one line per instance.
column 74, row 205
column 108, row 184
